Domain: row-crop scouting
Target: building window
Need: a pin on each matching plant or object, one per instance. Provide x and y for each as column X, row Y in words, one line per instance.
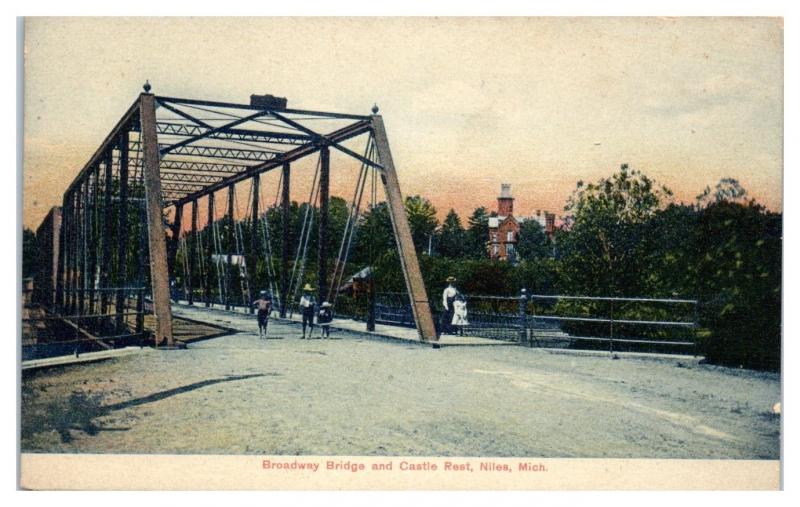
column 510, row 236
column 494, row 237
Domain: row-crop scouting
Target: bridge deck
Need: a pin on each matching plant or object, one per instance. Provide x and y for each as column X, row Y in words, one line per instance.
column 239, row 319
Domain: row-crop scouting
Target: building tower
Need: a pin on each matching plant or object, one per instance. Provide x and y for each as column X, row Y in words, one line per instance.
column 503, row 228
column 505, row 203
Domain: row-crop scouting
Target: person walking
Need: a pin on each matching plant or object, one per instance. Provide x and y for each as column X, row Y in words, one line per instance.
column 460, row 314
column 264, row 305
column 307, row 305
column 448, row 297
column 324, row 319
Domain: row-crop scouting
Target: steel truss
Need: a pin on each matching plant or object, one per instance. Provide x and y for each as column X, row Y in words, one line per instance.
column 170, row 152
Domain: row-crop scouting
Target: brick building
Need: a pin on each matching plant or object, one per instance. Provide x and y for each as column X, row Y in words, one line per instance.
column 504, row 228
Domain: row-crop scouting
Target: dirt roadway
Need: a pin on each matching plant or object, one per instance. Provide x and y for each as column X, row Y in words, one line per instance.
column 240, row 395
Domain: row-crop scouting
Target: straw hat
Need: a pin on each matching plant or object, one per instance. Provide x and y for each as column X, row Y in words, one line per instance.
column 326, row 304
column 307, row 287
column 451, row 279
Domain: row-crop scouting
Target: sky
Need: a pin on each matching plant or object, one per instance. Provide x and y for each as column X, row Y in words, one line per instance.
column 468, row 103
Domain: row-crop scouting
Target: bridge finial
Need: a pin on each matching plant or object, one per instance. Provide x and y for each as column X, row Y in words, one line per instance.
column 375, row 109
column 147, row 86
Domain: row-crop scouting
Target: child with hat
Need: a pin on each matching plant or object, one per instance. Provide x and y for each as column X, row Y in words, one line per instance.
column 307, row 304
column 324, row 319
column 459, row 314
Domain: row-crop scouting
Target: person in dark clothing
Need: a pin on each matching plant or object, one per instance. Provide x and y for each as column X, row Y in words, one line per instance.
column 307, row 305
column 264, row 305
column 324, row 319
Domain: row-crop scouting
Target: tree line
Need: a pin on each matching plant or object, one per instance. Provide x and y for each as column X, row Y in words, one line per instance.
column 623, row 235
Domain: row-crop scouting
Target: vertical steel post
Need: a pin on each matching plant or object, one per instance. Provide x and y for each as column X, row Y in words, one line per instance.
column 611, row 332
column 210, row 234
column 59, row 288
column 285, row 239
column 141, row 266
column 77, row 277
column 695, row 327
column 192, row 252
column 121, row 278
column 402, row 233
column 252, row 265
column 159, row 271
column 322, row 247
column 523, row 307
column 229, row 241
column 72, row 255
column 105, row 259
column 64, row 253
column 370, row 302
column 173, row 242
column 83, row 195
column 93, row 242
column 66, row 223
column 75, row 248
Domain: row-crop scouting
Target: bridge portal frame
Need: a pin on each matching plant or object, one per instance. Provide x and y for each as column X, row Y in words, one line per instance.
column 162, row 154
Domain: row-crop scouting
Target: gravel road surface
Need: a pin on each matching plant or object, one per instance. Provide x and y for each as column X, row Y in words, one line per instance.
column 350, row 396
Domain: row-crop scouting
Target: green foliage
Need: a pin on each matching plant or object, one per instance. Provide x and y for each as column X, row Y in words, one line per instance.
column 532, row 242
column 622, row 237
column 605, row 249
column 421, row 219
column 474, row 276
column 374, row 235
column 538, row 276
column 739, row 281
column 477, row 233
column 452, row 236
column 728, row 190
column 726, row 252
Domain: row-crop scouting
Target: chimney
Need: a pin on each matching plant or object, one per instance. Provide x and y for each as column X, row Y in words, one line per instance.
column 550, row 224
column 505, row 203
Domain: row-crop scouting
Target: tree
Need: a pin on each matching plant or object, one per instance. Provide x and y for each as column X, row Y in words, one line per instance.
column 727, row 189
column 671, row 254
column 477, row 233
column 374, row 236
column 739, row 283
column 532, row 242
column 603, row 250
column 452, row 236
column 421, row 219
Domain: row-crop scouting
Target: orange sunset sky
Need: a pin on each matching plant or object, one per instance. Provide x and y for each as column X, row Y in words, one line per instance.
column 469, row 103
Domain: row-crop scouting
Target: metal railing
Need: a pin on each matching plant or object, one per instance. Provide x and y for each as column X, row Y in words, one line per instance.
column 621, row 323
column 588, row 322
column 89, row 319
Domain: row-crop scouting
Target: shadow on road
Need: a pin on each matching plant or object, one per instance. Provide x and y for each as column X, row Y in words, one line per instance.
column 178, row 390
column 80, row 409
